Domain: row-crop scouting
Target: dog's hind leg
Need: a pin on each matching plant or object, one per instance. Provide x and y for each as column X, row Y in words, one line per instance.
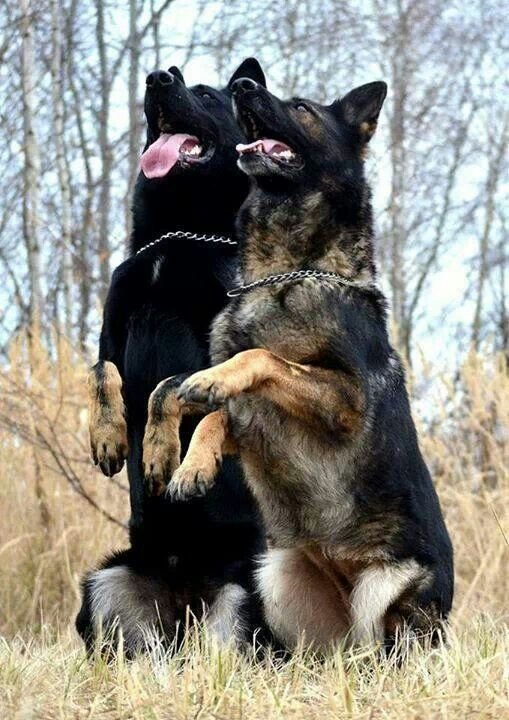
column 300, row 601
column 107, row 424
column 121, row 605
column 226, row 619
column 151, row 610
column 378, row 589
column 210, row 442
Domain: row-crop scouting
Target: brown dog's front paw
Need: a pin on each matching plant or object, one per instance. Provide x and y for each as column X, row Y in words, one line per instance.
column 191, row 480
column 108, row 444
column 205, row 386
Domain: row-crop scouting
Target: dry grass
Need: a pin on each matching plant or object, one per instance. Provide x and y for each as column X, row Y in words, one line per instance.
column 50, row 533
column 48, row 678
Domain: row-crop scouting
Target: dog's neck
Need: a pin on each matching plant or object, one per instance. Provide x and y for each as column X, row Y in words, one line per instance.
column 204, row 205
column 287, row 233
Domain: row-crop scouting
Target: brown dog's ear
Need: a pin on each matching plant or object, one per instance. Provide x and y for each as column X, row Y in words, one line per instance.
column 249, row 68
column 175, row 71
column 361, row 107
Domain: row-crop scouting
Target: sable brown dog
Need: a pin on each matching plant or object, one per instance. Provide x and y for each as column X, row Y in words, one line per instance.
column 310, row 393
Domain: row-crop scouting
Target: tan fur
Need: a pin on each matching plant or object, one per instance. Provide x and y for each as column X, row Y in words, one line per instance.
column 367, row 129
column 210, row 442
column 281, row 246
column 311, row 394
column 311, row 121
column 161, row 442
column 107, row 425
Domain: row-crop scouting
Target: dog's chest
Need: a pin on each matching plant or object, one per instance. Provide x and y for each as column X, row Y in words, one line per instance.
column 290, row 323
column 301, row 481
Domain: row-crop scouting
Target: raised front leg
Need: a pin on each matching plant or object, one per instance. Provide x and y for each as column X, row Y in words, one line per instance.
column 108, row 431
column 323, row 399
column 161, row 442
column 210, row 442
column 107, row 425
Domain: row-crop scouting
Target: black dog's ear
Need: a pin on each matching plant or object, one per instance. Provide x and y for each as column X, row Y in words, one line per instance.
column 175, row 71
column 250, row 68
column 361, row 107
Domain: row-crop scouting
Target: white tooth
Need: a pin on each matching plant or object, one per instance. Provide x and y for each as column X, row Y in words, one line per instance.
column 286, row 154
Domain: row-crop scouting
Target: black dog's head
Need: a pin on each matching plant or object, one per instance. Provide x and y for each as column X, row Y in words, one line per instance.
column 299, row 141
column 191, row 130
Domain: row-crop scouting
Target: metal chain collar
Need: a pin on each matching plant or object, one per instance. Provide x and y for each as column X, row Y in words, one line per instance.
column 189, row 236
column 294, row 276
column 289, row 277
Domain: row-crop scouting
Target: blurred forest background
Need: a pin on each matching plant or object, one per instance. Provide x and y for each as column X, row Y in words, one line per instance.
column 71, row 122
column 72, row 82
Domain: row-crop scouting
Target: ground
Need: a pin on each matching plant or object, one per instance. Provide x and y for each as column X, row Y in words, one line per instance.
column 50, row 533
column 50, row 678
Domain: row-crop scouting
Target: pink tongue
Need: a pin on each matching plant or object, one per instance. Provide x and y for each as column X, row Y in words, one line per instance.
column 159, row 158
column 267, row 144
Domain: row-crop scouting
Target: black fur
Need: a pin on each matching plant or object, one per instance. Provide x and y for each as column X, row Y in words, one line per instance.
column 154, row 329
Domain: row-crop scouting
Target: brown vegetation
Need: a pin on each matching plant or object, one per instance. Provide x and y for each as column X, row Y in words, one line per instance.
column 59, row 515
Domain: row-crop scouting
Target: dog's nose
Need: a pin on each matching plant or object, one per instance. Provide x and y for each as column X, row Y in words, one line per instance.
column 243, row 85
column 159, row 78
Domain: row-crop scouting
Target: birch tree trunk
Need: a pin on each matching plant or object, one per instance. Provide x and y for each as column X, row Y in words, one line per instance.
column 31, row 169
column 134, row 121
column 105, row 152
column 61, row 164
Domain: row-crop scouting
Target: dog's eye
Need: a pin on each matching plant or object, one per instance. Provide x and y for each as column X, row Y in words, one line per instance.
column 301, row 108
column 206, row 96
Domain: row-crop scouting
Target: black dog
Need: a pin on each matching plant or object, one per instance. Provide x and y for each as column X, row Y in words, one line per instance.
column 156, row 322
column 310, row 393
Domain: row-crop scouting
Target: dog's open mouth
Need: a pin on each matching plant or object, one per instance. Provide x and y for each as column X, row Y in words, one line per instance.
column 172, row 149
column 275, row 149
column 262, row 146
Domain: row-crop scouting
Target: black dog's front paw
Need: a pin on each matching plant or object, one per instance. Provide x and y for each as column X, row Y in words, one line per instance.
column 161, row 456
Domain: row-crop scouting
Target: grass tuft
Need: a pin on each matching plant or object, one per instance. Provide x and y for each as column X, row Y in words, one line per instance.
column 56, row 523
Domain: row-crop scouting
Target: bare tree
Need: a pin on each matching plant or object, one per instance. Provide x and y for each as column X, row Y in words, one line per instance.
column 438, row 162
column 31, row 174
column 497, row 144
column 133, row 90
column 58, row 133
column 105, row 79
